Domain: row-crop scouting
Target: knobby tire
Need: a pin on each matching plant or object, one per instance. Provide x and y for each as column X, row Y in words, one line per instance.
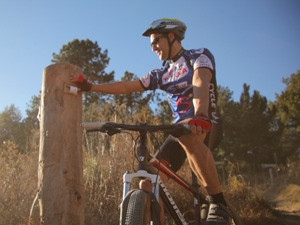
column 138, row 209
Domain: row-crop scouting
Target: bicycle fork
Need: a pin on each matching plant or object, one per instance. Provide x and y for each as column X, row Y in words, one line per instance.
column 156, row 183
column 128, row 178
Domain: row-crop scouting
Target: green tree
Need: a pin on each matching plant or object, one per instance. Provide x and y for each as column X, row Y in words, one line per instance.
column 288, row 102
column 32, row 112
column 229, row 110
column 136, row 103
column 164, row 111
column 133, row 102
column 261, row 121
column 31, row 124
column 255, row 126
column 246, row 127
column 93, row 62
column 11, row 127
column 288, row 111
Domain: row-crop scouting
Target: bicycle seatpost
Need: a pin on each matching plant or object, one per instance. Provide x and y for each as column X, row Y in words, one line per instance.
column 142, row 150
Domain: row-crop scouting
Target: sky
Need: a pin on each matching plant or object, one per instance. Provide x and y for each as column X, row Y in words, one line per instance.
column 256, row 42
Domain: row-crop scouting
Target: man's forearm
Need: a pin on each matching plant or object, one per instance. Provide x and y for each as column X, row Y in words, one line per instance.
column 201, row 81
column 122, row 87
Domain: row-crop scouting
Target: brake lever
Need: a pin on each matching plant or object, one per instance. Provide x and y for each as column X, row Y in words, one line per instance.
column 109, row 129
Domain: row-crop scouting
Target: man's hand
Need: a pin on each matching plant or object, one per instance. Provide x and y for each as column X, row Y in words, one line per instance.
column 201, row 123
column 82, row 83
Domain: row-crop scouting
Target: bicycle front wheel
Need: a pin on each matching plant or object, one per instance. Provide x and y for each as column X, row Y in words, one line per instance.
column 138, row 209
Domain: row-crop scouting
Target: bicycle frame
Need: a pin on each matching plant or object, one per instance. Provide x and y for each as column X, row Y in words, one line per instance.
column 158, row 185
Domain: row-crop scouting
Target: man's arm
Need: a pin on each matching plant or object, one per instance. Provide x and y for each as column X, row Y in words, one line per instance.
column 122, row 87
column 201, row 124
column 201, row 79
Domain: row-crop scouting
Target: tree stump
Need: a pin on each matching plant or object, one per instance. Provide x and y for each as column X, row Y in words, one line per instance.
column 60, row 171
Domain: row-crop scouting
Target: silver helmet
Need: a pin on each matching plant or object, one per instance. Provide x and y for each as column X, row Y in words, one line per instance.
column 166, row 25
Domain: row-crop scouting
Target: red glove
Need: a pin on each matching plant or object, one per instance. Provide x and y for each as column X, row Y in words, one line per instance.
column 83, row 83
column 202, row 121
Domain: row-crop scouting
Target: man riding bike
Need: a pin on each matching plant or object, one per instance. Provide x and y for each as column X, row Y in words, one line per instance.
column 189, row 79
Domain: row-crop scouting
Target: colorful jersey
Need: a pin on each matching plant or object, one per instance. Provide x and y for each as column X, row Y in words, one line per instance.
column 175, row 78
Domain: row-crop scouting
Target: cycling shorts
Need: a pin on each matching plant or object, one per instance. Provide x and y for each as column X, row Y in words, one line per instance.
column 172, row 154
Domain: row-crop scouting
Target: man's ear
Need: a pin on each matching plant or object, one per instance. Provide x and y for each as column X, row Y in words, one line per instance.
column 171, row 36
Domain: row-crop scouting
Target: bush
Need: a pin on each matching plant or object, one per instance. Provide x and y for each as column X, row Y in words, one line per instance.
column 248, row 203
column 18, row 179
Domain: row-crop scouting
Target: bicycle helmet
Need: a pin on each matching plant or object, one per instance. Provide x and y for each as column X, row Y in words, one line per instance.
column 166, row 25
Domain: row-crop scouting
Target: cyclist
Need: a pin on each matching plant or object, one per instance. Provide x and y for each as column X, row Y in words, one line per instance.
column 189, row 79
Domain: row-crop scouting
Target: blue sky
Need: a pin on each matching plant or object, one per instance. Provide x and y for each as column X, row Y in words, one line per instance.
column 255, row 42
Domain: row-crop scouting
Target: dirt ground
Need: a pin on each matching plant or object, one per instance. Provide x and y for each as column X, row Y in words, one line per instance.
column 285, row 200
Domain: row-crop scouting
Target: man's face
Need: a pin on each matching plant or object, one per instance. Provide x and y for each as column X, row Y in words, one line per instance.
column 159, row 45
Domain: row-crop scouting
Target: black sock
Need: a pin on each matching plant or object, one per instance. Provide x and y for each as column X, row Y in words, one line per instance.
column 217, row 198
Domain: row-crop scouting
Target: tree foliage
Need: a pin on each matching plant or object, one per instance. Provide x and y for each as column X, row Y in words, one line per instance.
column 288, row 102
column 247, row 127
column 252, row 126
column 255, row 131
column 93, row 62
column 133, row 102
column 11, row 126
column 287, row 107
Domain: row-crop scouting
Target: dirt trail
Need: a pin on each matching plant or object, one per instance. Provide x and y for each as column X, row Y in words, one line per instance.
column 289, row 219
column 284, row 200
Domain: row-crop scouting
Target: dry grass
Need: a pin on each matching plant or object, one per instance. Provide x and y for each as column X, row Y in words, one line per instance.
column 18, row 179
column 288, row 199
column 103, row 172
column 249, row 204
column 284, row 195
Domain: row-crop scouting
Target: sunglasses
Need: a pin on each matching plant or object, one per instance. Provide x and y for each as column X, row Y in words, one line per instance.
column 156, row 40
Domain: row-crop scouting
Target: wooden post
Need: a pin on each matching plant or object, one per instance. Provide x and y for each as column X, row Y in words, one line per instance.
column 60, row 172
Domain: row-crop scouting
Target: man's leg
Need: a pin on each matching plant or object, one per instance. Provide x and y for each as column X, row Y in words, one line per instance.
column 172, row 155
column 202, row 163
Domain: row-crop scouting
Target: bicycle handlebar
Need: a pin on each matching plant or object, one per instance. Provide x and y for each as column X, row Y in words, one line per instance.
column 112, row 128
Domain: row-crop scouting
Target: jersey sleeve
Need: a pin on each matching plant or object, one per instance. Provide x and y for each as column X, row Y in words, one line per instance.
column 204, row 60
column 150, row 81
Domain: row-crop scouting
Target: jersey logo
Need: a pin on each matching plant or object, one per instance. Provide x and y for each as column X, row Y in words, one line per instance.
column 145, row 80
column 204, row 61
column 175, row 73
column 183, row 104
column 182, row 86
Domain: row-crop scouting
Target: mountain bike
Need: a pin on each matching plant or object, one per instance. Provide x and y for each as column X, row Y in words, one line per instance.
column 141, row 207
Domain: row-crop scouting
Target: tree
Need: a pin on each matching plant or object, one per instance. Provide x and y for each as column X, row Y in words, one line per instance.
column 88, row 56
column 32, row 112
column 31, row 124
column 165, row 112
column 135, row 103
column 132, row 101
column 230, row 145
column 246, row 127
column 288, row 102
column 11, row 127
column 261, row 123
column 288, row 111
column 255, row 126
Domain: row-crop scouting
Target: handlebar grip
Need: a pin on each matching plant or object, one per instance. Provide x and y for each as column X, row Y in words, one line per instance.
column 92, row 125
column 103, row 127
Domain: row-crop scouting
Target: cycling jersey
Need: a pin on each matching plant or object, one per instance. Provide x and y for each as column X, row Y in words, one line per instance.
column 175, row 78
